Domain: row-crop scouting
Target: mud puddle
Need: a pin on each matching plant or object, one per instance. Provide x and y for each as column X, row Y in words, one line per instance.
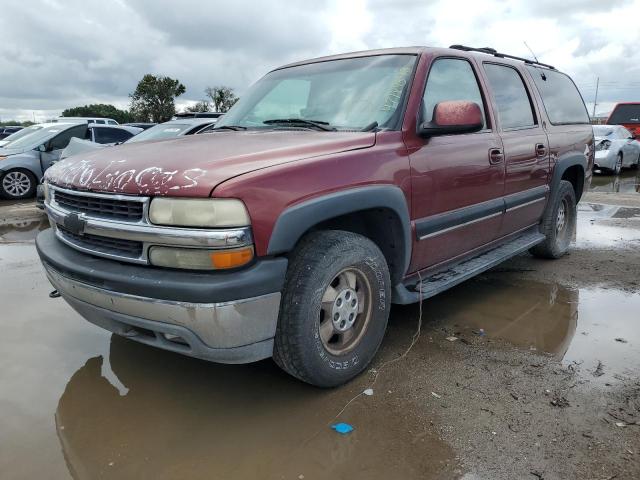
column 18, row 231
column 79, row 403
column 607, row 226
column 627, row 182
column 596, row 329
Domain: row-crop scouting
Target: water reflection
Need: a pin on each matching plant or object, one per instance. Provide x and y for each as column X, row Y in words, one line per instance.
column 607, row 226
column 529, row 314
column 627, row 182
column 170, row 416
column 22, row 230
column 546, row 317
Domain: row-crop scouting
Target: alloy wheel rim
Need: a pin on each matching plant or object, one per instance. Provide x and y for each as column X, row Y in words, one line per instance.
column 561, row 220
column 16, row 184
column 345, row 311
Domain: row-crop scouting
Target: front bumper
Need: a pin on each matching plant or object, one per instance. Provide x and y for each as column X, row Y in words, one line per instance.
column 227, row 317
column 604, row 159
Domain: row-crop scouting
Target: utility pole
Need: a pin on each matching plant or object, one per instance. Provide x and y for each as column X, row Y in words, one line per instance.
column 595, row 100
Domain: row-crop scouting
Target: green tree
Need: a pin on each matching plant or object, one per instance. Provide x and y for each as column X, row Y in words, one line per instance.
column 154, row 98
column 222, row 98
column 100, row 110
column 201, row 106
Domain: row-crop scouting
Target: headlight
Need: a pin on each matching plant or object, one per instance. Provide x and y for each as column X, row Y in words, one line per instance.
column 200, row 259
column 198, row 212
column 603, row 145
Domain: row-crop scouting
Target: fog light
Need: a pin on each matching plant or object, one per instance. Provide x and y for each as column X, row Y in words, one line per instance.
column 200, row 259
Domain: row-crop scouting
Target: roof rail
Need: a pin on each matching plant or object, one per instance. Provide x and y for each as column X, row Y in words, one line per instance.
column 495, row 53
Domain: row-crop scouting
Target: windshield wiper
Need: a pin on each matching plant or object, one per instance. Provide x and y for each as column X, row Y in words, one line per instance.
column 230, row 127
column 318, row 124
column 372, row 126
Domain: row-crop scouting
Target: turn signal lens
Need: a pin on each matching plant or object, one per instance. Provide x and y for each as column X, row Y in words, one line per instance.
column 200, row 259
column 231, row 258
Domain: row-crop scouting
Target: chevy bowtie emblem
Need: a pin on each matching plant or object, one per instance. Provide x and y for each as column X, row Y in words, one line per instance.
column 74, row 223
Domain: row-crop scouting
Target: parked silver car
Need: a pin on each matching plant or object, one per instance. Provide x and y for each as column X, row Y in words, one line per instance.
column 615, row 148
column 23, row 161
column 174, row 128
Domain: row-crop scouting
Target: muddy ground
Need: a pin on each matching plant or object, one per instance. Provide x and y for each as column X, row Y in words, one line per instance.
column 530, row 371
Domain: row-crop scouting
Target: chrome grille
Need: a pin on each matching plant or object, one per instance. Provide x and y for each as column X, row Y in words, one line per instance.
column 131, row 210
column 103, row 245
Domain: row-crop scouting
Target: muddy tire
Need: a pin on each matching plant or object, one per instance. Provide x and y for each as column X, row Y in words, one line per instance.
column 558, row 224
column 334, row 308
column 17, row 184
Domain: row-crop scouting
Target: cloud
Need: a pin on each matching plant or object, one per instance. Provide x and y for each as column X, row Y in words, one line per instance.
column 57, row 54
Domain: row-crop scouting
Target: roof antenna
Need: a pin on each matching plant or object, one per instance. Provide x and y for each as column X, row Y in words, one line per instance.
column 534, row 55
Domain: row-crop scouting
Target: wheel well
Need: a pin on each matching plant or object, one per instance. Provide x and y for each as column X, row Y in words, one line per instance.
column 575, row 175
column 382, row 226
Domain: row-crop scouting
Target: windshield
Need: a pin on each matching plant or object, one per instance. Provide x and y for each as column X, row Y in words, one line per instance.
column 602, row 131
column 38, row 137
column 625, row 114
column 348, row 94
column 21, row 133
column 161, row 131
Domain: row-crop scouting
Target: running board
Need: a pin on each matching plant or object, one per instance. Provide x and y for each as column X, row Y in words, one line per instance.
column 441, row 281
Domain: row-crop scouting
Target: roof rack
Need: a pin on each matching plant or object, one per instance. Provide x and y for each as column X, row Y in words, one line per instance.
column 495, row 53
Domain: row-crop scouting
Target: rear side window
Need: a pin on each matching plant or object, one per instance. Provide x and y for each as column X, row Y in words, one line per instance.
column 450, row 79
column 624, row 114
column 560, row 97
column 111, row 135
column 512, row 99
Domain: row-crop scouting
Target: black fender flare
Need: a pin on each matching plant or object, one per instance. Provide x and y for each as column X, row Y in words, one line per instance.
column 561, row 166
column 298, row 219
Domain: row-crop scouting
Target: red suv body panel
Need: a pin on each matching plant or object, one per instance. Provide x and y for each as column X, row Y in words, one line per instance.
column 634, row 126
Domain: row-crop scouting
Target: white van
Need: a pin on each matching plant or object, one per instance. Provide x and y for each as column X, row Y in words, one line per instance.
column 99, row 121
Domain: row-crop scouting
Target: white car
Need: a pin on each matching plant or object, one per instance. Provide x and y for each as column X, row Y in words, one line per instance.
column 96, row 120
column 615, row 148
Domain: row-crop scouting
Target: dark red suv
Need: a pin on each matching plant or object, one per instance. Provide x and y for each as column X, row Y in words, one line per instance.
column 334, row 188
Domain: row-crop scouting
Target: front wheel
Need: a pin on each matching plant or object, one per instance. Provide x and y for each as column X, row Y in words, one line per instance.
column 334, row 308
column 17, row 184
column 558, row 224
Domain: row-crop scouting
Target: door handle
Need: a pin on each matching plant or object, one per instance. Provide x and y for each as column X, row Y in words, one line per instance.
column 541, row 150
column 495, row 156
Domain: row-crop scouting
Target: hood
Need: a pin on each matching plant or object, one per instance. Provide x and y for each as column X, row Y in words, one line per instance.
column 192, row 166
column 7, row 150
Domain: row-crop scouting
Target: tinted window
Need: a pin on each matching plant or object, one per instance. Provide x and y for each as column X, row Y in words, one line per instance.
column 101, row 122
column 111, row 135
column 450, row 79
column 112, row 122
column 511, row 97
column 625, row 114
column 62, row 140
column 560, row 97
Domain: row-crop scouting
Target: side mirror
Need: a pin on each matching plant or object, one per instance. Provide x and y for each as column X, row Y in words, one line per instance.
column 42, row 148
column 453, row 117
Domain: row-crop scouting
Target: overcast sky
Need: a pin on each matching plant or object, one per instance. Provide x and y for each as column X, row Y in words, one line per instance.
column 59, row 54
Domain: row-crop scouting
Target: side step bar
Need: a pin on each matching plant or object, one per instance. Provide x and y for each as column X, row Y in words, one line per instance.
column 441, row 281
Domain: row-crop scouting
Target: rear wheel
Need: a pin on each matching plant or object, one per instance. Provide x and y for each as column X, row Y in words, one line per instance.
column 334, row 308
column 558, row 224
column 17, row 184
